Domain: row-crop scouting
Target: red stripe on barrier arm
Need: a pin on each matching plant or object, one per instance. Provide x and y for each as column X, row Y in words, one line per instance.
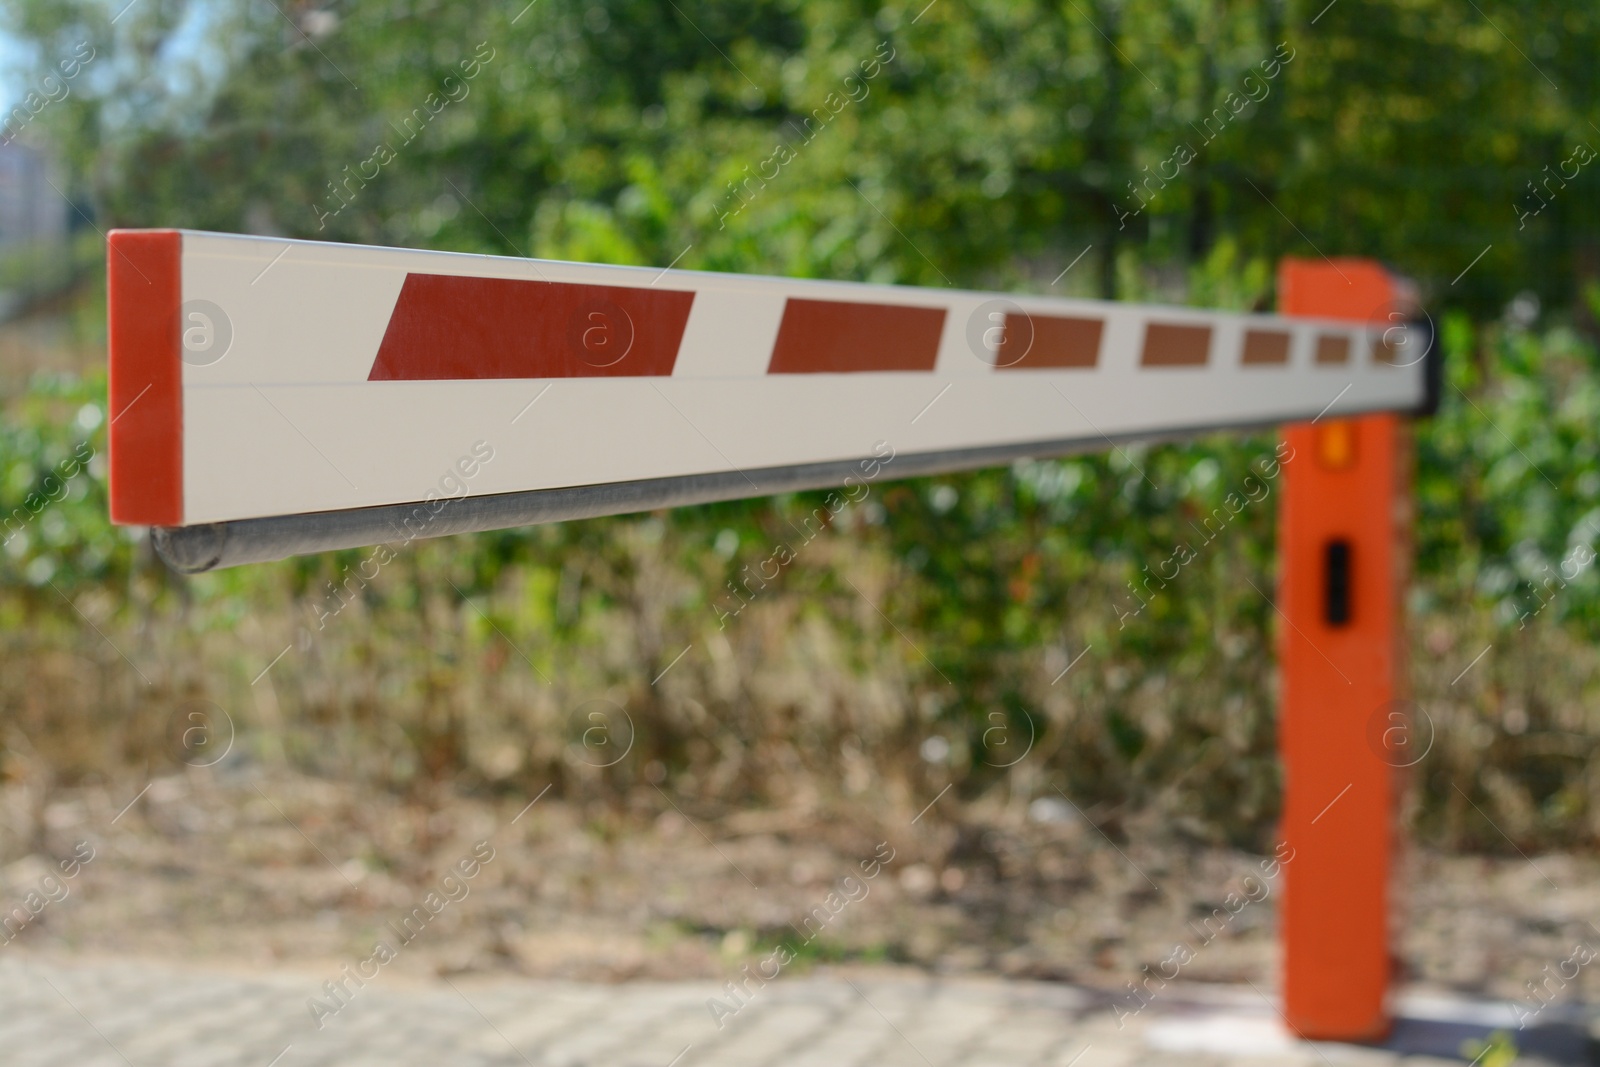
column 1333, row 348
column 1343, row 733
column 1266, row 348
column 837, row 337
column 1173, row 345
column 144, row 291
column 447, row 327
column 1048, row 342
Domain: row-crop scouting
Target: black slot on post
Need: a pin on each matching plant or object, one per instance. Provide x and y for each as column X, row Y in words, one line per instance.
column 1336, row 583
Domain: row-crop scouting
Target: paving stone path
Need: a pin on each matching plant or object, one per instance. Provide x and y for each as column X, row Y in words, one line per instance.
column 132, row 1014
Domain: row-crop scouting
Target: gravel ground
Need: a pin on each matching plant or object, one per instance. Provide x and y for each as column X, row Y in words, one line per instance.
column 120, row 1013
column 259, row 870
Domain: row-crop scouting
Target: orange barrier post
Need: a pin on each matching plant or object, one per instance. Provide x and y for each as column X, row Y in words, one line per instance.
column 1343, row 551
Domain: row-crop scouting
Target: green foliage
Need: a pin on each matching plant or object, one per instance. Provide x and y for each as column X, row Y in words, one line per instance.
column 956, row 143
column 52, row 487
column 1499, row 1050
column 959, row 600
column 974, row 144
column 1532, row 441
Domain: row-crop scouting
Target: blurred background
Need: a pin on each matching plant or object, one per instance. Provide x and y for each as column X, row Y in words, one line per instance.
column 915, row 650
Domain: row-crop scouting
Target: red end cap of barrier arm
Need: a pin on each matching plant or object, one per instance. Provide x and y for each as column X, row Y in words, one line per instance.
column 144, row 294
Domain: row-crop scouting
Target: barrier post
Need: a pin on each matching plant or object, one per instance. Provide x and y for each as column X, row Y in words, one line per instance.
column 1343, row 553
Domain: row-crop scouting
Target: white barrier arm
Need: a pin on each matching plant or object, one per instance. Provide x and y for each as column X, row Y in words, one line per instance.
column 271, row 397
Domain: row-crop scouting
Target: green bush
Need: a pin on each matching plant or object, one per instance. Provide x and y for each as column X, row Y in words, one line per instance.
column 938, row 607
